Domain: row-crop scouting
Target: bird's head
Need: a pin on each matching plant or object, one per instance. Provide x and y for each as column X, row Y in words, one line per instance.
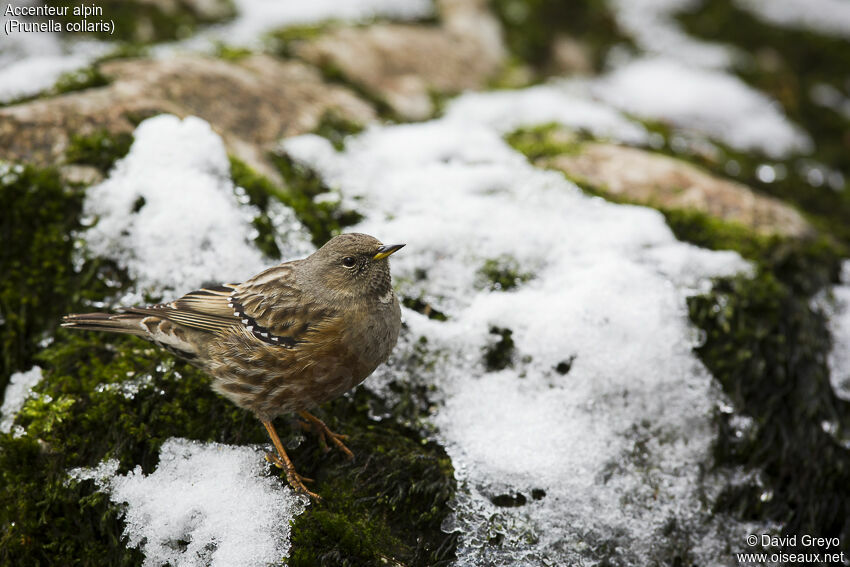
column 352, row 266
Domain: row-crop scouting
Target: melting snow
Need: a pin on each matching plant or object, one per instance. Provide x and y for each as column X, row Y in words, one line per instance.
column 651, row 24
column 618, row 443
column 557, row 102
column 206, row 504
column 169, row 213
column 17, row 392
column 31, row 62
column 825, row 16
column 257, row 17
column 710, row 102
column 839, row 327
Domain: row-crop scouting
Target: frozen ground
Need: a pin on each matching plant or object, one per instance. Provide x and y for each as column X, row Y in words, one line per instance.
column 205, row 505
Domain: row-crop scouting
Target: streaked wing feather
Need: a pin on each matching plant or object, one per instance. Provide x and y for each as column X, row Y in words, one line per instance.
column 273, row 304
column 205, row 309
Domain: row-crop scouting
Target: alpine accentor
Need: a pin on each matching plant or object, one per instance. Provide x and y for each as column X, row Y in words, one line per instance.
column 290, row 338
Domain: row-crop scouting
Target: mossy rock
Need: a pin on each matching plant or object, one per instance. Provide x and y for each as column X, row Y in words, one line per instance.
column 42, row 276
column 789, row 64
column 113, row 397
column 108, row 397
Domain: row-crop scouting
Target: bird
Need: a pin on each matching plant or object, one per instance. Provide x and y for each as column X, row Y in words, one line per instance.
column 284, row 341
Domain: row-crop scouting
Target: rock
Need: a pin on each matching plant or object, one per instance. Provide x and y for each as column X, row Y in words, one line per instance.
column 252, row 103
column 645, row 178
column 570, row 56
column 405, row 64
column 80, row 174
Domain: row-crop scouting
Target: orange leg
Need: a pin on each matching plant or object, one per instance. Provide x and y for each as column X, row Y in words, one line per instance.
column 281, row 460
column 325, row 433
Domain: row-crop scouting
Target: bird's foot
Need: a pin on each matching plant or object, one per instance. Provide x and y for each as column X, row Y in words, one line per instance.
column 324, row 434
column 295, row 480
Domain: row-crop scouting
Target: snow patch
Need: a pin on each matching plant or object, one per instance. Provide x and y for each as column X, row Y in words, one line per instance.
column 33, row 75
column 710, row 102
column 257, row 17
column 555, row 102
column 17, row 391
column 206, row 504
column 830, row 17
column 839, row 328
column 652, row 26
column 170, row 215
column 31, row 62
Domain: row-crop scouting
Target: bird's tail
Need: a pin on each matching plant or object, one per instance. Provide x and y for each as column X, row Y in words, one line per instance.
column 125, row 323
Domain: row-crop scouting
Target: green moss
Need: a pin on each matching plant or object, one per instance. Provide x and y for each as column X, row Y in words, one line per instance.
column 82, row 414
column 767, row 346
column 332, row 73
column 545, row 140
column 231, row 53
column 100, row 149
column 709, row 232
column 282, row 41
column 81, row 79
column 500, row 353
column 531, row 26
column 40, row 280
column 260, row 192
column 387, row 506
column 141, row 22
column 335, row 128
column 419, row 305
column 502, row 274
column 324, row 219
column 389, row 503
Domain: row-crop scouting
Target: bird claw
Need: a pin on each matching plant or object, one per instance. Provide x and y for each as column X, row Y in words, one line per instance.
column 295, row 480
column 323, row 432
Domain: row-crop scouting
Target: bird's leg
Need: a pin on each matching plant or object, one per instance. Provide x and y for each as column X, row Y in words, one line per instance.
column 324, row 433
column 281, row 460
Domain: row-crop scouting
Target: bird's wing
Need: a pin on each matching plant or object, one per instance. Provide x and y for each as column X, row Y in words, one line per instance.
column 205, row 309
column 275, row 310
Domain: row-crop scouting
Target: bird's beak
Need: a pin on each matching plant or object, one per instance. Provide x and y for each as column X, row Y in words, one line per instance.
column 386, row 250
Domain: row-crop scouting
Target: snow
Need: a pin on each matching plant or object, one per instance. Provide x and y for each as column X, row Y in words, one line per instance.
column 31, row 62
column 619, row 443
column 32, row 75
column 651, row 25
column 206, row 504
column 17, row 391
column 556, row 102
column 191, row 228
column 831, row 17
column 839, row 327
column 710, row 102
column 257, row 17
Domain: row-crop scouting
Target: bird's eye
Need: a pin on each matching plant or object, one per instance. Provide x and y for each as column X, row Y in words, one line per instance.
column 348, row 262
